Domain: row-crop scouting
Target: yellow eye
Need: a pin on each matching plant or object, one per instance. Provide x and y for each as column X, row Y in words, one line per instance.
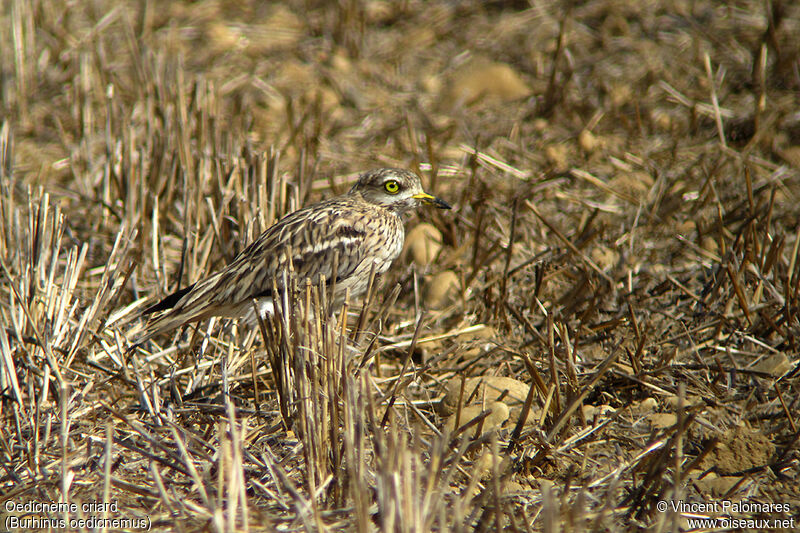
column 392, row 187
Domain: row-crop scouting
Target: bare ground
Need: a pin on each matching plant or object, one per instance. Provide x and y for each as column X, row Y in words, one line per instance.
column 620, row 266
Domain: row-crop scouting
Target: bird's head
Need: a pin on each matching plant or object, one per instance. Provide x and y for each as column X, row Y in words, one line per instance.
column 394, row 189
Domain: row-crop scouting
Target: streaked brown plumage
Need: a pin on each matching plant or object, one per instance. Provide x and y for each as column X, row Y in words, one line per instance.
column 353, row 231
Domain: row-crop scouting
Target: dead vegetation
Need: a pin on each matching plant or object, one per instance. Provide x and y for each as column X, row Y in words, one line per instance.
column 607, row 319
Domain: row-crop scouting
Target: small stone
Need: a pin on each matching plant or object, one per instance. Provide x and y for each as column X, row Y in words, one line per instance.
column 662, row 420
column 592, row 411
column 423, row 244
column 432, row 84
column 223, row 37
column 540, row 125
column 491, row 386
column 709, row 244
column 379, row 12
column 662, row 120
column 689, row 401
column 620, row 94
column 442, row 289
column 774, row 365
column 494, row 421
column 340, row 62
column 588, row 141
column 482, row 78
column 557, row 155
column 648, row 404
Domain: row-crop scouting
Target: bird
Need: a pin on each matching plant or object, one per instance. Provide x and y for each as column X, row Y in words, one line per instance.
column 342, row 239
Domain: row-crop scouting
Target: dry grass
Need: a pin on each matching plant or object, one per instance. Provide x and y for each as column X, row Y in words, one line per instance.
column 625, row 244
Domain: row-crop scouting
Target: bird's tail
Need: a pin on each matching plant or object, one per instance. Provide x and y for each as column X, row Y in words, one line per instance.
column 166, row 322
column 175, row 310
